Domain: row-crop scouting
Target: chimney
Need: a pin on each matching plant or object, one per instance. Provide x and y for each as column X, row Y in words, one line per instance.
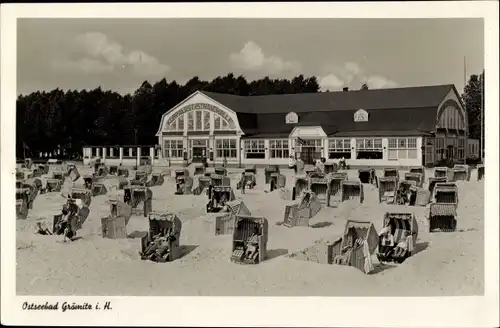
column 345, row 89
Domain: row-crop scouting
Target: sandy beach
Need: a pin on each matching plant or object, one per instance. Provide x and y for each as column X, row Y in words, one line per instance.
column 445, row 264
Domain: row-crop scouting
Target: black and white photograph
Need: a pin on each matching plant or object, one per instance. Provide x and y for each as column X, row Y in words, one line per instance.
column 233, row 153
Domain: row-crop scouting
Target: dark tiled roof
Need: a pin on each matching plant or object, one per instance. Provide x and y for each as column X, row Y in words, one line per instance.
column 399, row 111
column 413, row 97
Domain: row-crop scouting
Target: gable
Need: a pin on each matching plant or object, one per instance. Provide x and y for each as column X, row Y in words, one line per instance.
column 204, row 108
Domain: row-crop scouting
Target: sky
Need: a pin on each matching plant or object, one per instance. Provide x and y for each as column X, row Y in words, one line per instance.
column 119, row 54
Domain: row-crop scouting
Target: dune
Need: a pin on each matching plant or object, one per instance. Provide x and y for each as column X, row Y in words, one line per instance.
column 446, row 264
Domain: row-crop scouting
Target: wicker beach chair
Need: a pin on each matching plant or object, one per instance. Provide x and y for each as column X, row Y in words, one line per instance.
column 368, row 176
column 224, row 224
column 22, row 203
column 334, row 196
column 443, row 210
column 219, row 197
column 300, row 214
column 352, row 190
column 461, row 172
column 443, row 172
column 84, row 195
column 387, row 189
column 277, row 181
column 114, row 226
column 415, row 176
column 249, row 244
column 301, row 184
column 168, row 226
column 480, row 172
column 269, row 170
column 391, row 172
column 359, row 241
column 318, row 184
column 220, row 171
column 123, row 172
column 402, row 225
column 140, row 198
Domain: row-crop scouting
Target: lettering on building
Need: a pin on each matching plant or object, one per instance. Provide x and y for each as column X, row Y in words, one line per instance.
column 292, row 118
column 361, row 115
column 200, row 106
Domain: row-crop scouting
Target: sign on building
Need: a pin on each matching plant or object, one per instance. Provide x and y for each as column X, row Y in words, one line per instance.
column 292, row 118
column 361, row 115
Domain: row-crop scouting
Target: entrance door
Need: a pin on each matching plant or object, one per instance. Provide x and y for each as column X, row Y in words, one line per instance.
column 307, row 155
column 199, row 153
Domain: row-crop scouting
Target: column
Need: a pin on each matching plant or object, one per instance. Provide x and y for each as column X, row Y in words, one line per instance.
column 97, row 152
column 121, row 154
column 138, row 155
column 84, row 152
column 152, row 154
column 353, row 148
column 104, row 152
column 130, row 152
column 111, row 152
column 266, row 147
column 385, row 149
column 325, row 147
column 420, row 150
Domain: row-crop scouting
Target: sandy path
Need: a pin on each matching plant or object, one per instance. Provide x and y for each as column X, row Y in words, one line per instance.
column 446, row 264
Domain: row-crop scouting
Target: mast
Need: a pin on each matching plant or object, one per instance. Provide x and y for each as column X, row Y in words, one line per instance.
column 482, row 113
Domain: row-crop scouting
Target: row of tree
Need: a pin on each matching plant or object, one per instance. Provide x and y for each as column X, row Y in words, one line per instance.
column 72, row 119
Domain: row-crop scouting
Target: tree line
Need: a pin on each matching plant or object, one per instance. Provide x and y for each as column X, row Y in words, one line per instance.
column 69, row 120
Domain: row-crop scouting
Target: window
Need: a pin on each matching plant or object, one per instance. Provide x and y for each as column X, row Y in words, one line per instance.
column 190, row 120
column 198, row 123
column 172, row 149
column 254, row 149
column 369, row 148
column 217, row 123
column 338, row 148
column 180, row 123
column 440, row 148
column 461, row 148
column 225, row 148
column 278, row 149
column 206, row 121
column 402, row 148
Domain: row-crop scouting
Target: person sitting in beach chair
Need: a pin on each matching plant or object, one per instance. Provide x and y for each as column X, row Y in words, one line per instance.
column 386, row 246
column 402, row 196
column 400, row 252
column 342, row 164
column 345, row 252
column 42, row 230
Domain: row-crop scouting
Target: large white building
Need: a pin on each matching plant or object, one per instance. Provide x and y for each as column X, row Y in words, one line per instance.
column 384, row 127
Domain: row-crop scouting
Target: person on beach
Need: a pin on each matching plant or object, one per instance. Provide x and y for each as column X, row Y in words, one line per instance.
column 292, row 164
column 243, row 182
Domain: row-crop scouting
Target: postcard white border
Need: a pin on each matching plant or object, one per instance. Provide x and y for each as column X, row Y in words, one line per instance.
column 272, row 311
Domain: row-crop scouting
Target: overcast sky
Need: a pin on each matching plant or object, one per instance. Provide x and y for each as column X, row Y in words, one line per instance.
column 119, row 54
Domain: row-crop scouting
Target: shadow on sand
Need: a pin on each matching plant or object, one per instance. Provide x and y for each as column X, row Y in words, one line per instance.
column 273, row 253
column 380, row 267
column 186, row 249
column 137, row 234
column 420, row 247
column 322, row 224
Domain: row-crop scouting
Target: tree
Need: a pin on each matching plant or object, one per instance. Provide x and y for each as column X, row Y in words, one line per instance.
column 473, row 104
column 72, row 119
column 364, row 86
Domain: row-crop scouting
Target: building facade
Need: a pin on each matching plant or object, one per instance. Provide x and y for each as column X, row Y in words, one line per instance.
column 385, row 127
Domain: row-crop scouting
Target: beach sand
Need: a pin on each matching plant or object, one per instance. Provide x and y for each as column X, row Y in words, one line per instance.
column 446, row 264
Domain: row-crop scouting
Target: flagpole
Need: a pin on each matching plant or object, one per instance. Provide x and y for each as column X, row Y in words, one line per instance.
column 482, row 113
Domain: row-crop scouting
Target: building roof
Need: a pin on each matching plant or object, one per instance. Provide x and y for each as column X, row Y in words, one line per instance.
column 411, row 97
column 401, row 111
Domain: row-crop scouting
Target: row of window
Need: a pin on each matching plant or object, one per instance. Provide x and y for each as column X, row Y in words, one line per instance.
column 200, row 121
column 368, row 148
